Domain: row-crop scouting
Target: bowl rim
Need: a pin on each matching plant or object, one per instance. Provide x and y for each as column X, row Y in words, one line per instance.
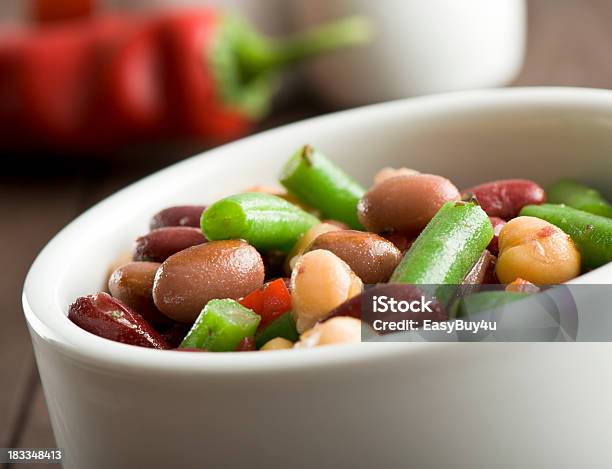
column 41, row 308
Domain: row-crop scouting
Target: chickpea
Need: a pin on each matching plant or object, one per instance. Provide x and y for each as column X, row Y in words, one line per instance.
column 522, row 285
column 278, row 343
column 338, row 330
column 320, row 282
column 536, row 251
column 306, row 240
column 388, row 172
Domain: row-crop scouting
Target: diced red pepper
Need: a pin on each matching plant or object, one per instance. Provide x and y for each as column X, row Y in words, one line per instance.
column 269, row 301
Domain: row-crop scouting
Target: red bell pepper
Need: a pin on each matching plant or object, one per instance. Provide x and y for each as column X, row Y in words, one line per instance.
column 44, row 11
column 98, row 83
column 269, row 301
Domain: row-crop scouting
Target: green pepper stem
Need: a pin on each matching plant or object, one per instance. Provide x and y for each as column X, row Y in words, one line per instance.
column 281, row 53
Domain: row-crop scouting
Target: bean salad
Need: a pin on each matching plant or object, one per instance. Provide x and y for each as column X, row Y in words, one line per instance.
column 285, row 268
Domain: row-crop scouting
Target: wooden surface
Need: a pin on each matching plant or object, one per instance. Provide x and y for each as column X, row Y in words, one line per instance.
column 569, row 43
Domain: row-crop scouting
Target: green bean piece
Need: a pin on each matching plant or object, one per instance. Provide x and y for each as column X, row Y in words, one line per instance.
column 283, row 326
column 265, row 221
column 447, row 248
column 591, row 233
column 221, row 326
column 579, row 196
column 314, row 179
column 483, row 301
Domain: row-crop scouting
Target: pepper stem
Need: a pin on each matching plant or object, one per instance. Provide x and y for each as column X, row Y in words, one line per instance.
column 281, row 53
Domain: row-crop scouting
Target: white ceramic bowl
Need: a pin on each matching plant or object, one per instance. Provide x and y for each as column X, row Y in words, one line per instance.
column 425, row 405
column 419, row 47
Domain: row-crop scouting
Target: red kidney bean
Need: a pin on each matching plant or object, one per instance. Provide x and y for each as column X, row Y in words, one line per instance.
column 362, row 302
column 181, row 215
column 402, row 241
column 107, row 317
column 498, row 224
column 175, row 333
column 158, row 245
column 505, row 198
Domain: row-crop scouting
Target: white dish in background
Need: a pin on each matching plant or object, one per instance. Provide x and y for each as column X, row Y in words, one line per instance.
column 425, row 405
column 419, row 47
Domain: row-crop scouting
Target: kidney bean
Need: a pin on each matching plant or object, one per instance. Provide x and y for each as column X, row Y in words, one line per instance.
column 371, row 257
column 175, row 333
column 498, row 224
column 402, row 241
column 363, row 303
column 132, row 284
column 405, row 203
column 505, row 198
column 158, row 245
column 107, row 317
column 187, row 280
column 181, row 215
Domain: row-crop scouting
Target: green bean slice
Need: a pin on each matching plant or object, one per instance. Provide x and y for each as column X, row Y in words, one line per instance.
column 265, row 221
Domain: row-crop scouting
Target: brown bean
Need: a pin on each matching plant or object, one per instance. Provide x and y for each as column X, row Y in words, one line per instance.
column 402, row 241
column 158, row 245
column 186, row 281
column 132, row 284
column 371, row 257
column 505, row 198
column 405, row 203
column 181, row 215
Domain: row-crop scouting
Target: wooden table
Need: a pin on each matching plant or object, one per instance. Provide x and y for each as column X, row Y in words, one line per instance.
column 569, row 44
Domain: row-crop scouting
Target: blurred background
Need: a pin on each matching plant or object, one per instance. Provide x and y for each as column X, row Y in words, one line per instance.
column 95, row 94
